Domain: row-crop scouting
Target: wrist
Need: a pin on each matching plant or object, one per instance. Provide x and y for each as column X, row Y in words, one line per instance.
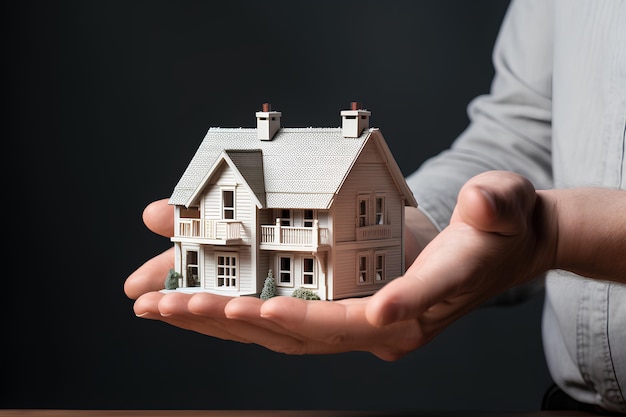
column 590, row 231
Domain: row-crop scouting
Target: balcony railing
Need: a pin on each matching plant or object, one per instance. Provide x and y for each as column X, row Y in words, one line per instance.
column 210, row 229
column 379, row 231
column 294, row 236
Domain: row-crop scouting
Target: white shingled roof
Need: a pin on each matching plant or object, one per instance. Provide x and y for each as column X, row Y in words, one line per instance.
column 302, row 167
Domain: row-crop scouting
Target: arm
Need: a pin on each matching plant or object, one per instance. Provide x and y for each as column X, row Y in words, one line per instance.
column 510, row 128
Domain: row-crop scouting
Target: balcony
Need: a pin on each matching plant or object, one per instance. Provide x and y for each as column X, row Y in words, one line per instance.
column 212, row 231
column 379, row 231
column 278, row 237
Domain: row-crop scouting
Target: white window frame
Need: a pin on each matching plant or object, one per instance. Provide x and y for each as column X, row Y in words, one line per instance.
column 379, row 216
column 363, row 269
column 380, row 271
column 362, row 218
column 225, row 208
column 312, row 273
column 280, row 271
column 309, row 222
column 230, row 279
column 285, row 221
column 189, row 266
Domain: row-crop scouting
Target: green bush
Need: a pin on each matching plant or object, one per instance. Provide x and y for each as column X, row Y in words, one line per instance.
column 305, row 294
column 269, row 287
column 171, row 281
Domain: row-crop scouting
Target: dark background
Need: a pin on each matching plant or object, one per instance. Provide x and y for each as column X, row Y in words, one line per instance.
column 105, row 103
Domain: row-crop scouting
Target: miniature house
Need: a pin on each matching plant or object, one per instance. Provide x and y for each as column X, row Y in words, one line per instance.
column 322, row 208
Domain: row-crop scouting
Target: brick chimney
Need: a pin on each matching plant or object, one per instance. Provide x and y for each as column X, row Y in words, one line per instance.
column 267, row 122
column 354, row 121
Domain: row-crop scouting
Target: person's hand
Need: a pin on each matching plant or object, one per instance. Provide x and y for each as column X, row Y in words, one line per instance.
column 501, row 234
column 283, row 324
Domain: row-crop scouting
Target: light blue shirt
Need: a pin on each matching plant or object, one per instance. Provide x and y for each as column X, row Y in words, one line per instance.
column 556, row 113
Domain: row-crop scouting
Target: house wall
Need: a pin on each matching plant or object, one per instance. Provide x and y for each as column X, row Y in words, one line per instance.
column 245, row 271
column 263, row 217
column 211, row 209
column 369, row 175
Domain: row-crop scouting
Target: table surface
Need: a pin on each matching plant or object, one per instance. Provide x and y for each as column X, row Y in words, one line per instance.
column 276, row 413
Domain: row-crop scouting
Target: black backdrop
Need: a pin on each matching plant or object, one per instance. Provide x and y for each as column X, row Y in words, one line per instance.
column 105, row 103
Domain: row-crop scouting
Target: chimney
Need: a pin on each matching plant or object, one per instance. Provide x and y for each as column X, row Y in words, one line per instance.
column 354, row 121
column 267, row 122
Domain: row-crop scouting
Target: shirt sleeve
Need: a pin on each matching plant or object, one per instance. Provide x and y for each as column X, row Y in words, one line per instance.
column 510, row 128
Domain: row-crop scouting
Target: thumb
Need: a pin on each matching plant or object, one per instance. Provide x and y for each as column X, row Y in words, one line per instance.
column 496, row 201
column 490, row 206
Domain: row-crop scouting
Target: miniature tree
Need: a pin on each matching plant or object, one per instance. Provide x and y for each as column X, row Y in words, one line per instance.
column 269, row 287
column 171, row 281
column 305, row 294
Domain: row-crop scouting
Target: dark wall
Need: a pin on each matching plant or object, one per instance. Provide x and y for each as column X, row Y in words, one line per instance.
column 105, row 103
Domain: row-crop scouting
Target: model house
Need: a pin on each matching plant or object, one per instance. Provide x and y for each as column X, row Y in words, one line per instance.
column 322, row 208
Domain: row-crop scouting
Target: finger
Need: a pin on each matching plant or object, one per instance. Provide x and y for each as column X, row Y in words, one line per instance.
column 172, row 309
column 147, row 305
column 175, row 308
column 238, row 318
column 438, row 274
column 336, row 327
column 150, row 276
column 158, row 216
column 496, row 201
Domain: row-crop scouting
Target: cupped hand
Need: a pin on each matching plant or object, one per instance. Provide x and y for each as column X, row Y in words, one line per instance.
column 501, row 234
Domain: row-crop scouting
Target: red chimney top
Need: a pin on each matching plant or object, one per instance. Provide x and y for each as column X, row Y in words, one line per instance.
column 355, row 105
column 267, row 107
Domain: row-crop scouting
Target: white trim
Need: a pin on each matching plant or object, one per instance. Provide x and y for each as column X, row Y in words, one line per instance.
column 233, row 271
column 280, row 271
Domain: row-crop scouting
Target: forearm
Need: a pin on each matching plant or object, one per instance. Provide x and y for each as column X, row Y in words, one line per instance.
column 591, row 237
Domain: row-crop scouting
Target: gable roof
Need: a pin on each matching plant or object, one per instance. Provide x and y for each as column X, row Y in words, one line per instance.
column 298, row 168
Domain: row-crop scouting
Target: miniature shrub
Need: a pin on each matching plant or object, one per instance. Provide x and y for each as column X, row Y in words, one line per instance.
column 305, row 294
column 171, row 281
column 269, row 287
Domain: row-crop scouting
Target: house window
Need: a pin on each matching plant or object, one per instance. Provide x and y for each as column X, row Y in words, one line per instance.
column 380, row 210
column 362, row 211
column 285, row 271
column 227, row 271
column 191, row 260
column 284, row 216
column 308, row 218
column 308, row 272
column 362, row 269
column 379, row 270
column 228, row 204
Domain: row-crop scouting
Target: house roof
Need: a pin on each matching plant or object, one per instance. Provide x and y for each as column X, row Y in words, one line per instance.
column 298, row 168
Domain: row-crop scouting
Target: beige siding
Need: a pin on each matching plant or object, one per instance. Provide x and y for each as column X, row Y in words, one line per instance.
column 346, row 281
column 244, row 205
column 370, row 177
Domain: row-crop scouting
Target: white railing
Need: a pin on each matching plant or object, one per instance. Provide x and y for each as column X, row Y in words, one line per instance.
column 294, row 236
column 210, row 229
column 189, row 227
column 379, row 231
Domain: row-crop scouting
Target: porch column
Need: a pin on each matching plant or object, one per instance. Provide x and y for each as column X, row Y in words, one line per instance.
column 277, row 232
